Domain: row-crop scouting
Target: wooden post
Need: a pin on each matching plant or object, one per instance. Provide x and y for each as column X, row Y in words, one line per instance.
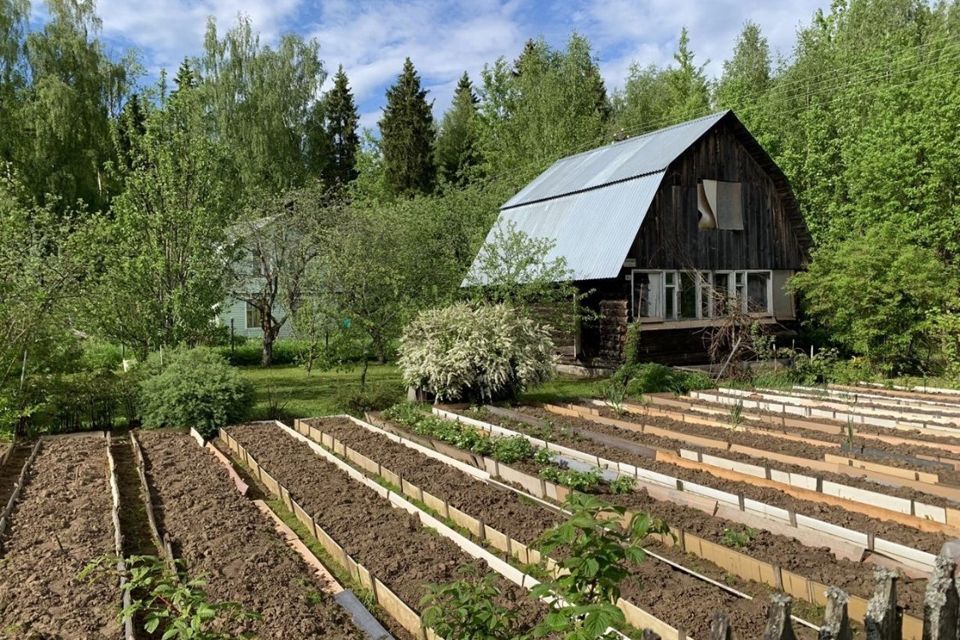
column 779, row 625
column 883, row 621
column 941, row 605
column 836, row 622
column 720, row 627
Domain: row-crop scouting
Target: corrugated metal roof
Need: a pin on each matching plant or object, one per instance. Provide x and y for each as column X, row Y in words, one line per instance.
column 591, row 230
column 615, row 162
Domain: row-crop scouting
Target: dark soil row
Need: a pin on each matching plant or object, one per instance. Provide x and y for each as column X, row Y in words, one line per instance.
column 815, row 563
column 386, row 540
column 771, row 444
column 653, row 585
column 889, row 455
column 61, row 522
column 771, row 421
column 561, row 433
column 223, row 538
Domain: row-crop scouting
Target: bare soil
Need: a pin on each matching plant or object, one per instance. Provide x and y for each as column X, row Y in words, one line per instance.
column 61, row 522
column 561, row 433
column 653, row 585
column 224, row 538
column 771, row 421
column 388, row 541
column 815, row 563
column 769, row 444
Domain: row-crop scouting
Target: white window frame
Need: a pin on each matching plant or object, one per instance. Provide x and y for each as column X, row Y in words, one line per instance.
column 246, row 315
column 704, row 282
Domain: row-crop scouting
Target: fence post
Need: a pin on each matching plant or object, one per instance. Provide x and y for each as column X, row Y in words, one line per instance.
column 883, row 621
column 720, row 627
column 941, row 605
column 836, row 622
column 779, row 625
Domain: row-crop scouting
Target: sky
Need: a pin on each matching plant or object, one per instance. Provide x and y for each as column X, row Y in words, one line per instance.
column 370, row 38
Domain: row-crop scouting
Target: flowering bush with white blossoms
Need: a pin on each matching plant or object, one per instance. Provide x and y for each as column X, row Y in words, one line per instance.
column 475, row 353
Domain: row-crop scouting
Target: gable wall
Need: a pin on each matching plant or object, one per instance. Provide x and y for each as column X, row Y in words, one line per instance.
column 670, row 239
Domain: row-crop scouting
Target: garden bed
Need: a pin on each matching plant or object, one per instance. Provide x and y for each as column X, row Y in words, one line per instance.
column 223, row 537
column 61, row 522
column 929, row 542
column 653, row 585
column 389, row 542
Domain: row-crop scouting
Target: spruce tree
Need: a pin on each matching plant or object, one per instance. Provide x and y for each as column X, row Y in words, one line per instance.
column 407, row 136
column 341, row 118
column 457, row 140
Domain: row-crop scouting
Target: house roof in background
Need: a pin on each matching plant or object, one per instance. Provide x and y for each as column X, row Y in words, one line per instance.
column 614, row 163
column 591, row 205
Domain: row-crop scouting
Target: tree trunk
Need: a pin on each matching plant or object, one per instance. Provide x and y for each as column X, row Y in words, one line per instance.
column 269, row 336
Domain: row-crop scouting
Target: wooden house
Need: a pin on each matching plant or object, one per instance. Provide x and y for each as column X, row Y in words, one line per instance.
column 666, row 229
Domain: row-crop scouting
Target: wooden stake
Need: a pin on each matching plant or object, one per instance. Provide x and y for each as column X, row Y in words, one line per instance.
column 941, row 606
column 836, row 622
column 779, row 625
column 720, row 627
column 883, row 621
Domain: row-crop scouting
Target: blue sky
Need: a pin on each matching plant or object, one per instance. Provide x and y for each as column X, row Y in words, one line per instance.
column 444, row 39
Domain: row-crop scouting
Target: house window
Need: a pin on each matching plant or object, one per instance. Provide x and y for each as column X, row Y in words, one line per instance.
column 670, row 295
column 647, row 295
column 719, row 205
column 254, row 317
column 688, row 295
column 758, row 292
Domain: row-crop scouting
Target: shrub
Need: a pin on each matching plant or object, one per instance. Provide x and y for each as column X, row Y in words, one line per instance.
column 478, row 353
column 357, row 401
column 248, row 353
column 197, row 388
column 639, row 379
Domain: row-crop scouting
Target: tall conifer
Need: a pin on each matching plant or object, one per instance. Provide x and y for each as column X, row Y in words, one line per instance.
column 341, row 118
column 457, row 140
column 407, row 136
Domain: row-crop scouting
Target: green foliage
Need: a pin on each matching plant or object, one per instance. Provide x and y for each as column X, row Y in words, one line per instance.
column 598, row 550
column 631, row 347
column 285, row 351
column 737, row 539
column 650, row 377
column 467, row 609
column 736, row 415
column 512, row 449
column 171, row 608
column 407, row 136
column 341, row 130
column 546, row 105
column 475, row 352
column 457, row 141
column 874, row 294
column 585, row 481
column 196, row 388
column 357, row 401
column 623, row 484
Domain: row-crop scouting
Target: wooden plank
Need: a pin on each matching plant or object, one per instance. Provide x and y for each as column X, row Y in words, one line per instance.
column 908, row 474
column 435, row 503
column 466, row 521
column 390, row 476
column 497, row 540
column 640, row 619
column 397, row 609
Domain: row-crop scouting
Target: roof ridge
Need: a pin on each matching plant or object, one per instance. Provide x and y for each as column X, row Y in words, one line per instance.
column 644, row 135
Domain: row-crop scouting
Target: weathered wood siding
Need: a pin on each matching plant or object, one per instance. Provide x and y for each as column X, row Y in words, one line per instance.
column 670, row 238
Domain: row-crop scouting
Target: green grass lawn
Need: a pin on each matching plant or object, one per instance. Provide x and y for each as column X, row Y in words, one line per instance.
column 320, row 393
column 324, row 392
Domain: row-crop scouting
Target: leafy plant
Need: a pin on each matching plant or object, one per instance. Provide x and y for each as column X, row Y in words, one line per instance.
column 577, row 480
column 198, row 389
column 477, row 353
column 544, row 456
column 512, row 449
column 623, row 484
column 736, row 415
column 737, row 539
column 173, row 608
column 598, row 552
column 615, row 392
column 467, row 609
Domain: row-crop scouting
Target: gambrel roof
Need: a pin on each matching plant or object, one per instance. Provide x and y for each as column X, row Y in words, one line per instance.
column 591, row 205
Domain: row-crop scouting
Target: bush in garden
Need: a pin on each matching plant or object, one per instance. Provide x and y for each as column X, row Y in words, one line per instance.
column 196, row 388
column 638, row 379
column 479, row 353
column 468, row 609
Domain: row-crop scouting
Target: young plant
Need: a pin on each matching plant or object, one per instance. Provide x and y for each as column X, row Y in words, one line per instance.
column 738, row 539
column 512, row 449
column 467, row 609
column 736, row 415
column 623, row 484
column 172, row 608
column 615, row 393
column 598, row 551
column 543, row 456
column 585, row 481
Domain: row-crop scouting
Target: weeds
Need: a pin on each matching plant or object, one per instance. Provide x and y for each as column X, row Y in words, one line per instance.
column 738, row 539
column 623, row 484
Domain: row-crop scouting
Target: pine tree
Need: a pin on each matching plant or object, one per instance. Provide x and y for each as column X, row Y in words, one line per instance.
column 747, row 77
column 186, row 77
column 457, row 141
column 407, row 136
column 130, row 127
column 341, row 121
